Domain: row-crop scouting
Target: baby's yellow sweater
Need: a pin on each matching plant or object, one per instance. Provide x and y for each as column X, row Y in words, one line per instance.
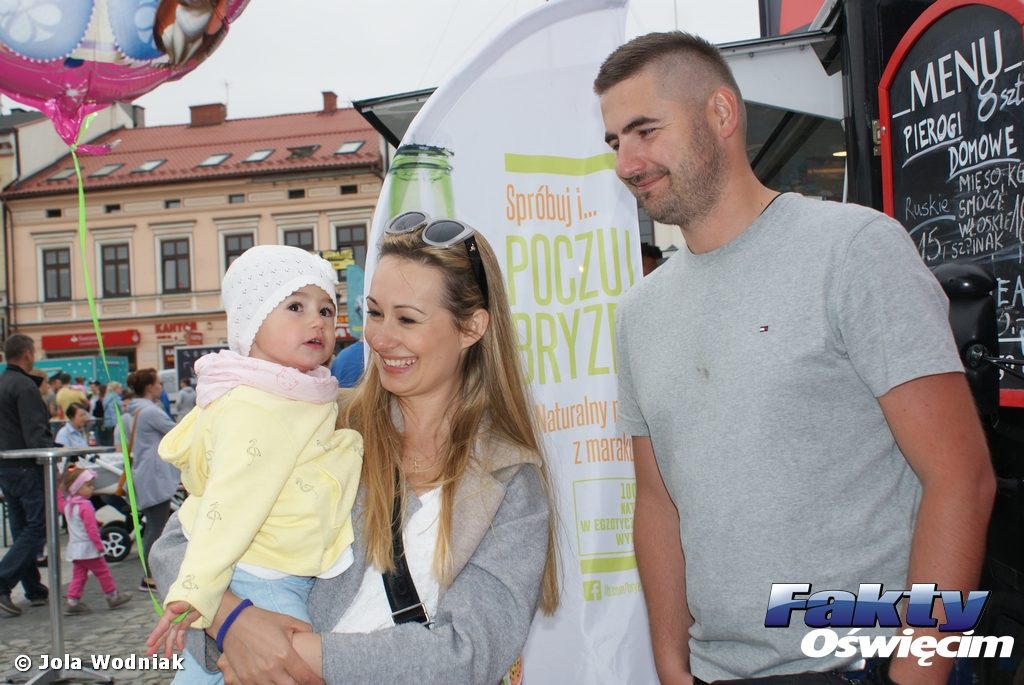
column 271, row 482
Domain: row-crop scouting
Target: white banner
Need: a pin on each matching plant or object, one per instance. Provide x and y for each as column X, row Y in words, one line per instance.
column 513, row 143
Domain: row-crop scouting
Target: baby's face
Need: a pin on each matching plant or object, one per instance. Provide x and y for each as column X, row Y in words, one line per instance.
column 299, row 332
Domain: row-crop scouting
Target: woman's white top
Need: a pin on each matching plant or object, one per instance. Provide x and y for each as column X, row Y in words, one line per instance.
column 370, row 610
column 69, row 436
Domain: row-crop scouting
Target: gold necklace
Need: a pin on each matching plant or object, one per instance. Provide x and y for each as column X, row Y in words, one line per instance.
column 421, row 463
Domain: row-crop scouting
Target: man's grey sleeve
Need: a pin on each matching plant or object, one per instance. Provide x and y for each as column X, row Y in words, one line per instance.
column 631, row 419
column 891, row 313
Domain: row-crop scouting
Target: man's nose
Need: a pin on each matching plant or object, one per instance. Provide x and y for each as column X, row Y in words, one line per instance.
column 628, row 162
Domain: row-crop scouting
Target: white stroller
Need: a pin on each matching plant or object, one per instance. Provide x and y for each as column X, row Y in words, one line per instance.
column 113, row 512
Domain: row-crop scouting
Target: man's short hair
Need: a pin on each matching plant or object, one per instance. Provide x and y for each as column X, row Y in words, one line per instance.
column 629, row 59
column 65, row 378
column 17, row 346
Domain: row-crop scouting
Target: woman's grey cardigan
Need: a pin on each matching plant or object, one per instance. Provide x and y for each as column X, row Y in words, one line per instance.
column 499, row 545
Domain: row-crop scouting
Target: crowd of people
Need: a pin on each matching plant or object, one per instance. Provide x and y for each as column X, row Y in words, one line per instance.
column 412, row 516
column 37, row 411
column 83, row 414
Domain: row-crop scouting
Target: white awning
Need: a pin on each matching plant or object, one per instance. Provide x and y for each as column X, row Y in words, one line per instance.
column 785, row 72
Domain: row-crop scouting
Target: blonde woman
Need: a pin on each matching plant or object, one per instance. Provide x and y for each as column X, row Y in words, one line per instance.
column 449, row 440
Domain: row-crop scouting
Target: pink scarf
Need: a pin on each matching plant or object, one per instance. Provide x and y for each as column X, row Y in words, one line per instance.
column 221, row 372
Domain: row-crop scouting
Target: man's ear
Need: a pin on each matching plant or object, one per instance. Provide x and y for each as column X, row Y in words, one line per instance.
column 475, row 327
column 724, row 111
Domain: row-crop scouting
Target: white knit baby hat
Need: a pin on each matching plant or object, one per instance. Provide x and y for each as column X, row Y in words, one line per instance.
column 259, row 279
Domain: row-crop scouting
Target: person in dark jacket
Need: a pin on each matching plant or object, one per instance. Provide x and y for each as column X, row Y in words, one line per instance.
column 24, row 423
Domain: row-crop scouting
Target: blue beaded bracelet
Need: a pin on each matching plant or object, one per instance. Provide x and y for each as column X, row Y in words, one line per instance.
column 222, row 633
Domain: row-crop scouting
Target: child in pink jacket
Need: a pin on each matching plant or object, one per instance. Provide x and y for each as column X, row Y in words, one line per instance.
column 85, row 549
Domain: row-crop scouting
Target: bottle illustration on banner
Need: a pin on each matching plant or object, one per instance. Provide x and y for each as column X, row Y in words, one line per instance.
column 421, row 179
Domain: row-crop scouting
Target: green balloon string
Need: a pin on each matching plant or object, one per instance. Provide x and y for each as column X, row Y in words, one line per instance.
column 126, row 461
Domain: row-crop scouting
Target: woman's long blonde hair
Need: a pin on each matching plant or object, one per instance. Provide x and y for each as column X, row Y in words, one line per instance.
column 492, row 395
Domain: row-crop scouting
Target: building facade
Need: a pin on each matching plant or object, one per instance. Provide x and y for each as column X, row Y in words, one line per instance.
column 28, row 143
column 167, row 211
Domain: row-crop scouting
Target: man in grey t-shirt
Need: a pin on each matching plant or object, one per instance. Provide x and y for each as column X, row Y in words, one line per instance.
column 186, row 401
column 798, row 409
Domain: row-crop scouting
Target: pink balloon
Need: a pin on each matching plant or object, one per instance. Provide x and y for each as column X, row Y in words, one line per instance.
column 68, row 59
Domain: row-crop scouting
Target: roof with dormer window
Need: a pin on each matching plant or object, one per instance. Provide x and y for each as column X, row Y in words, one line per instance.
column 186, row 147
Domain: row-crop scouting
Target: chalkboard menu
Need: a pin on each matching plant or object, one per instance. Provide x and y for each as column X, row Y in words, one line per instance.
column 953, row 145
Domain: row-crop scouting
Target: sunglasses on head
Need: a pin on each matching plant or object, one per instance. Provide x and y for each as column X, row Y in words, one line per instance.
column 442, row 233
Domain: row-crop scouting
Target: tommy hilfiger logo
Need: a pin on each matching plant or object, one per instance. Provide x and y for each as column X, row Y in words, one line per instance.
column 763, row 329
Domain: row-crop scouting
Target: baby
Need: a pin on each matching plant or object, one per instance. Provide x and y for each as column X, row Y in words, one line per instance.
column 271, row 480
